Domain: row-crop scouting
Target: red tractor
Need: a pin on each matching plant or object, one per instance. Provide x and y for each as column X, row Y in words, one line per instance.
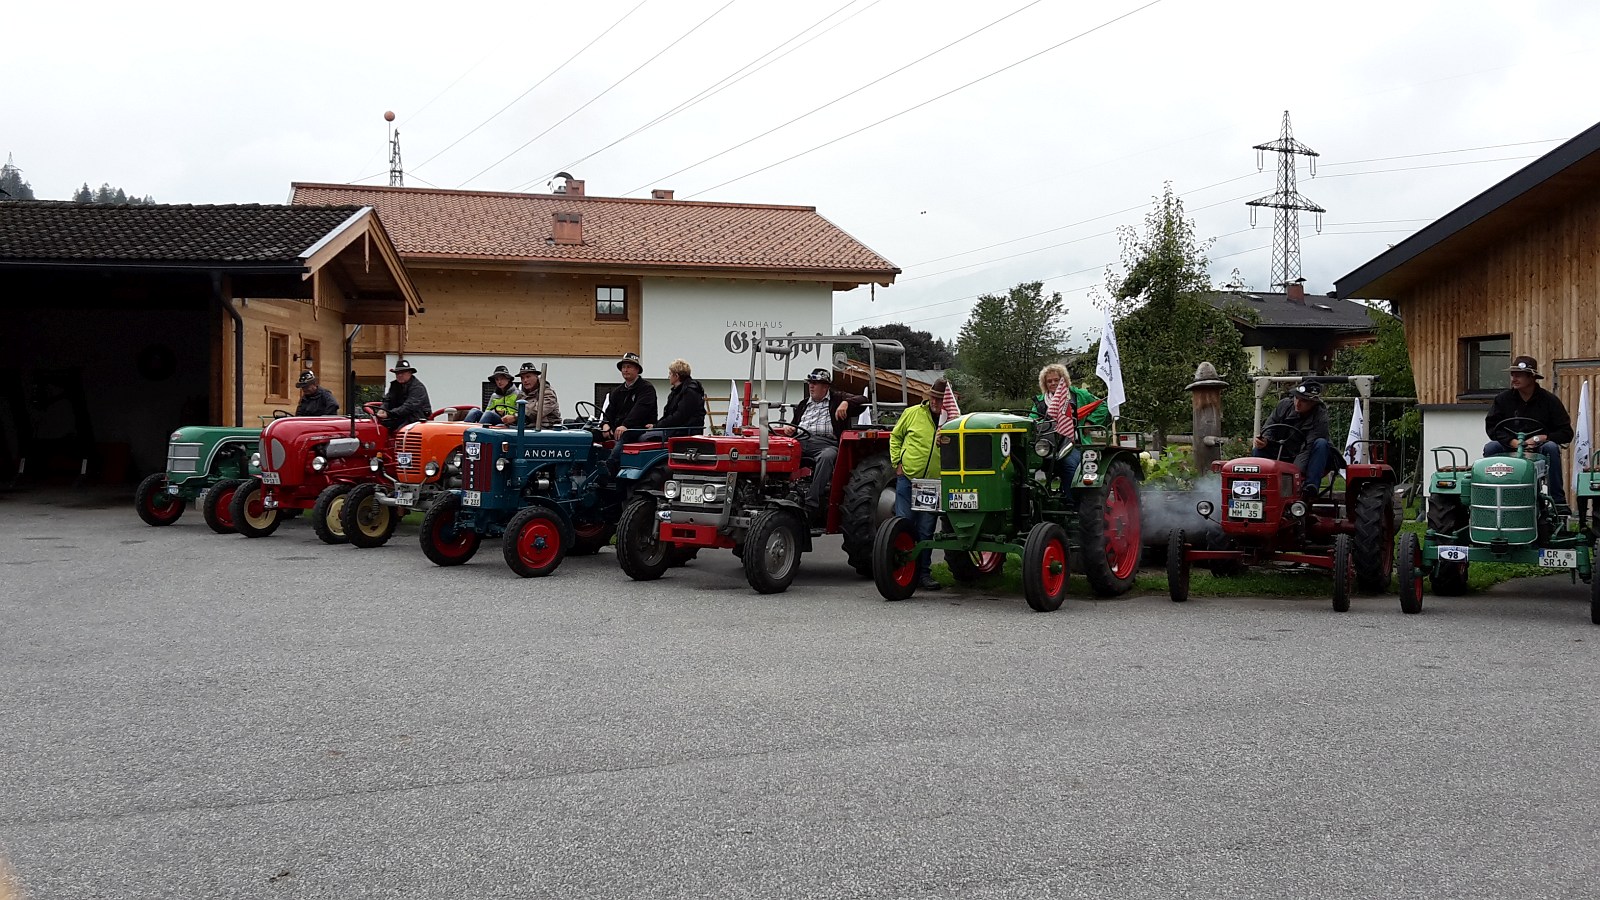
column 1266, row 518
column 747, row 491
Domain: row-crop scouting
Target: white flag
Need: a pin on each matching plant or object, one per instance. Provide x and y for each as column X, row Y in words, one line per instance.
column 1109, row 368
column 735, row 409
column 1353, row 451
column 1582, row 439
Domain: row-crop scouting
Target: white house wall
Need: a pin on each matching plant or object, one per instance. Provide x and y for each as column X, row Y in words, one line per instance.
column 710, row 323
column 1451, row 428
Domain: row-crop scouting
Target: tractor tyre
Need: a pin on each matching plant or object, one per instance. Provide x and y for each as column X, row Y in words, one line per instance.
column 536, row 541
column 589, row 537
column 1374, row 538
column 968, row 566
column 364, row 520
column 1410, row 575
column 1344, row 572
column 327, row 514
column 1046, row 565
column 772, row 550
column 1450, row 578
column 894, row 559
column 217, row 508
column 640, row 550
column 444, row 543
column 154, row 505
column 1222, row 568
column 250, row 517
column 1177, row 568
column 868, row 501
column 1447, row 514
column 1110, row 534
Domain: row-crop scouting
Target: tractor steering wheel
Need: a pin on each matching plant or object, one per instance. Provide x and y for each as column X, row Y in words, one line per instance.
column 1538, row 427
column 372, row 408
column 800, row 434
column 1281, row 442
column 281, row 414
column 592, row 415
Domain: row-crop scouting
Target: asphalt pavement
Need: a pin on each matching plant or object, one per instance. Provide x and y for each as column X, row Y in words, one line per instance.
column 184, row 714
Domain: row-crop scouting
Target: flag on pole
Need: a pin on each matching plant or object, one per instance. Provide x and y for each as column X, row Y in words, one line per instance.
column 1109, row 368
column 1582, row 440
column 948, row 407
column 1353, row 451
column 735, row 409
column 1060, row 411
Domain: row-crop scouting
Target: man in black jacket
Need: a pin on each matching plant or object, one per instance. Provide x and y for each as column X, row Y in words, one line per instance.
column 630, row 407
column 1549, row 428
column 1307, row 434
column 823, row 415
column 315, row 400
column 406, row 400
column 685, row 412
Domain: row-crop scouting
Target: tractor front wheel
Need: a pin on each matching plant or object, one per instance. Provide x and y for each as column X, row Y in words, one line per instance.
column 327, row 514
column 154, row 504
column 444, row 541
column 251, row 517
column 1344, row 573
column 536, row 542
column 967, row 566
column 640, row 550
column 366, row 522
column 1045, row 567
column 868, row 501
column 1110, row 535
column 772, row 551
column 217, row 507
column 1177, row 568
column 1410, row 575
column 1374, row 543
column 894, row 559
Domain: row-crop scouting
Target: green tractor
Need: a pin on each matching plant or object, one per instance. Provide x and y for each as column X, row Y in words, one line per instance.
column 1001, row 491
column 1497, row 510
column 200, row 460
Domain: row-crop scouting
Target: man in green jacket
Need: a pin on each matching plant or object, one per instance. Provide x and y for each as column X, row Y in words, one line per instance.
column 912, row 451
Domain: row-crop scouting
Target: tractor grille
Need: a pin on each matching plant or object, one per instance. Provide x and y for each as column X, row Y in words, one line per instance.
column 408, row 455
column 183, row 457
column 1504, row 511
column 477, row 474
column 967, row 453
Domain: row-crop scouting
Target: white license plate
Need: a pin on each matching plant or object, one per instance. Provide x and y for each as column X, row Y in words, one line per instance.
column 1451, row 553
column 405, row 495
column 925, row 494
column 1558, row 559
column 1244, row 509
column 1247, row 489
column 694, row 493
column 271, row 478
column 471, row 498
column 962, row 499
column 402, row 459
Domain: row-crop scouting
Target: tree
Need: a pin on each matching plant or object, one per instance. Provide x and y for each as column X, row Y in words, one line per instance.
column 923, row 350
column 1006, row 340
column 83, row 195
column 12, row 187
column 109, row 195
column 1387, row 358
column 1165, row 329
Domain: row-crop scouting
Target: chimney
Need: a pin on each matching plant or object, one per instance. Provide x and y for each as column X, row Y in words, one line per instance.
column 567, row 228
column 1295, row 292
column 661, row 194
column 574, row 187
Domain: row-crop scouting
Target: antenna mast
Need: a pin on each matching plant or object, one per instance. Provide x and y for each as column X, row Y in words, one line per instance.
column 1288, row 203
column 397, row 172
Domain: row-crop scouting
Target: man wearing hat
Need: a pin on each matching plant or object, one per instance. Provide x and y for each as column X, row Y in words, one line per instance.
column 545, row 415
column 822, row 414
column 315, row 400
column 1305, row 414
column 1550, row 426
column 502, row 405
column 630, row 407
column 406, row 401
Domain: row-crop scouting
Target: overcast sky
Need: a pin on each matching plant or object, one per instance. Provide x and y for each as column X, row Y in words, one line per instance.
column 1414, row 105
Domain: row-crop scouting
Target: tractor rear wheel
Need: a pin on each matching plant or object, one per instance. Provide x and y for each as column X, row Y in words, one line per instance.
column 1450, row 578
column 1177, row 568
column 868, row 501
column 1446, row 513
column 217, row 508
column 640, row 550
column 1410, row 575
column 1344, row 572
column 967, row 566
column 589, row 537
column 327, row 513
column 1222, row 568
column 251, row 517
column 536, row 541
column 1594, row 592
column 1046, row 565
column 1110, row 536
column 443, row 541
column 154, row 504
column 772, row 550
column 366, row 522
column 1374, row 543
column 894, row 559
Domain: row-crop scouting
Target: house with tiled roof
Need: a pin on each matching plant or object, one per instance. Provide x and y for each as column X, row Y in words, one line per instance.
column 1294, row 333
column 574, row 280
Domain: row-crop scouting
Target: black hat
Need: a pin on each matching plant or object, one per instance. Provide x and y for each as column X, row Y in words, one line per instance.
column 1527, row 365
column 498, row 371
column 819, row 376
column 403, row 366
column 1310, row 390
column 306, row 377
column 628, row 358
column 527, row 367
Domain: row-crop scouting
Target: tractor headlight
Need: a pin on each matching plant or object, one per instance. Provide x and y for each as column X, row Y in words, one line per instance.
column 431, row 469
column 501, row 463
column 1297, row 508
column 318, row 463
column 452, row 465
column 375, row 464
column 1204, row 508
column 711, row 492
column 1042, row 447
column 255, row 460
column 670, row 489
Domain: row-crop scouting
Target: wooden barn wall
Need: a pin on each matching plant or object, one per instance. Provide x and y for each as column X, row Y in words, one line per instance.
column 517, row 314
column 296, row 319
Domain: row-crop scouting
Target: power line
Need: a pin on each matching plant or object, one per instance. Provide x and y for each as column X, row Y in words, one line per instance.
column 608, row 90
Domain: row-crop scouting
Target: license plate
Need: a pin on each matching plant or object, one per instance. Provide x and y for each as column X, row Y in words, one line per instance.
column 925, row 494
column 1244, row 509
column 405, row 495
column 402, row 459
column 1452, row 554
column 694, row 493
column 471, row 498
column 1247, row 489
column 271, row 478
column 1558, row 559
column 962, row 499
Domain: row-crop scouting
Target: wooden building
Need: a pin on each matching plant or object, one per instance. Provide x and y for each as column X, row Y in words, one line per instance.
column 1294, row 333
column 1514, row 271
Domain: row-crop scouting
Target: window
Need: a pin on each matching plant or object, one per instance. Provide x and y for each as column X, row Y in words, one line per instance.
column 311, row 356
column 611, row 303
column 277, row 364
column 1486, row 359
column 1294, row 362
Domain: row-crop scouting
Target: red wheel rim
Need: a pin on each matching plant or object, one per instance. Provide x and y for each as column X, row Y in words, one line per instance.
column 254, row 507
column 225, row 507
column 903, row 547
column 1053, row 568
column 988, row 561
column 449, row 540
column 538, row 543
column 1122, row 527
column 160, row 506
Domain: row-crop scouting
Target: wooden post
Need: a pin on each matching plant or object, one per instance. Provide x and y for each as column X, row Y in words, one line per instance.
column 1206, row 392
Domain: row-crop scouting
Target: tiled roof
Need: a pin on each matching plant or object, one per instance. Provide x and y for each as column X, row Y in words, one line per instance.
column 1275, row 310
column 616, row 231
column 244, row 233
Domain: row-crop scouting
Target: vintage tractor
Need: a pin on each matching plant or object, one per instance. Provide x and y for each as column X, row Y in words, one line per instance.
column 1002, row 490
column 1265, row 517
column 200, row 460
column 423, row 463
column 546, row 492
column 1498, row 510
column 747, row 491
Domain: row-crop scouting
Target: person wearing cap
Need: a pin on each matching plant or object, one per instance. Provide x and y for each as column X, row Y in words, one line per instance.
column 822, row 414
column 502, row 404
column 630, row 407
column 406, row 401
column 1550, row 426
column 685, row 412
column 1307, row 417
column 315, row 400
column 544, row 415
column 912, row 451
